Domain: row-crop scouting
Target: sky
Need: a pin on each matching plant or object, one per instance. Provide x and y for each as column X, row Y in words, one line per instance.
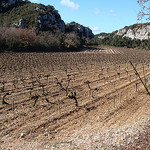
column 99, row 15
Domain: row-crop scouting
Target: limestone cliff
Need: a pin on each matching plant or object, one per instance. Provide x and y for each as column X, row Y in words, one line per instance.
column 80, row 29
column 137, row 31
column 24, row 14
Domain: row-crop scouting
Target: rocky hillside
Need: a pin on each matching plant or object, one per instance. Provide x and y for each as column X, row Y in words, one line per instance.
column 134, row 36
column 33, row 15
column 80, row 29
column 136, row 31
column 25, row 14
column 26, row 26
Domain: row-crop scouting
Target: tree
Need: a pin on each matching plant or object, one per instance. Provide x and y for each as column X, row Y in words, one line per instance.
column 145, row 9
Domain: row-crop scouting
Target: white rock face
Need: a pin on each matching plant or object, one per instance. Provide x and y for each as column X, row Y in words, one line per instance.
column 122, row 31
column 140, row 33
column 143, row 33
column 20, row 24
column 83, row 31
column 130, row 34
column 101, row 37
column 47, row 19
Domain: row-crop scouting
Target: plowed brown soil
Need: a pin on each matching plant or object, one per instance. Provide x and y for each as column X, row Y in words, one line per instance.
column 115, row 117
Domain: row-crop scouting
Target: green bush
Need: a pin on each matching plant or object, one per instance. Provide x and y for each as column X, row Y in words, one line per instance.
column 120, row 41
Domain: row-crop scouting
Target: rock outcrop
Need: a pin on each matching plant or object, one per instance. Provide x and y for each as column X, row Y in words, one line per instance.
column 50, row 19
column 25, row 14
column 20, row 24
column 81, row 30
column 140, row 32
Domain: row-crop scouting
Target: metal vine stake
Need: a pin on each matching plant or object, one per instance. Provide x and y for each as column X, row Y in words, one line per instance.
column 140, row 78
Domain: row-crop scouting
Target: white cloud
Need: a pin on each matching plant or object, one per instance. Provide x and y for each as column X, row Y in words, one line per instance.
column 95, row 29
column 70, row 4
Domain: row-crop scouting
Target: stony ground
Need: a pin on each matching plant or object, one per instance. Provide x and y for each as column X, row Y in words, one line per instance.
column 117, row 116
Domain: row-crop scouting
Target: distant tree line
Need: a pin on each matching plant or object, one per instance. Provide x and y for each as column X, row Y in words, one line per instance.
column 120, row 41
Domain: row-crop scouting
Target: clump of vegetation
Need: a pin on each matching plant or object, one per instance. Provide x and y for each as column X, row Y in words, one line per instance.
column 33, row 37
column 17, row 39
column 27, row 11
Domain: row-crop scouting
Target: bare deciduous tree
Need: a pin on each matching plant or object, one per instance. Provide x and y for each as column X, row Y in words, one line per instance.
column 145, row 9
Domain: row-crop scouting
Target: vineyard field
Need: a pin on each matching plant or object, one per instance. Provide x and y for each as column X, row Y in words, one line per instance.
column 91, row 99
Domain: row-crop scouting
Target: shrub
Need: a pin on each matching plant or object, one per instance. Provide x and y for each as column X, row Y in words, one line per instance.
column 17, row 39
column 72, row 41
column 47, row 40
column 26, row 37
column 9, row 38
